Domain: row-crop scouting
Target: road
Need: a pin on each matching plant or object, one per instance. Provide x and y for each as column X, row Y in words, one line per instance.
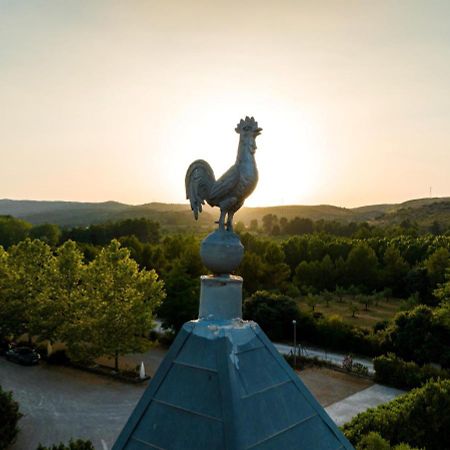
column 59, row 403
column 334, row 357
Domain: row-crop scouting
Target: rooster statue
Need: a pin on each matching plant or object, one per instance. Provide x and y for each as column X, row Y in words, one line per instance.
column 234, row 186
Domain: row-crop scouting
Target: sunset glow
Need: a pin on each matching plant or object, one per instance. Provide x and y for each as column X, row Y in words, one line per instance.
column 112, row 100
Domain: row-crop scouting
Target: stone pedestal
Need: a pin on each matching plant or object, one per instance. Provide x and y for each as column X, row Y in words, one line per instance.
column 220, row 297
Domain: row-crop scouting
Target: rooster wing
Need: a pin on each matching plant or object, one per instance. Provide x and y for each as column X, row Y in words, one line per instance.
column 224, row 186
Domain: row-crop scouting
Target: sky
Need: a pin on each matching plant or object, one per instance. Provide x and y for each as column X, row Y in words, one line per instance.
column 112, row 100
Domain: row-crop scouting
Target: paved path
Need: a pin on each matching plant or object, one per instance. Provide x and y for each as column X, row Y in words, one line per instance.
column 344, row 410
column 59, row 403
column 334, row 357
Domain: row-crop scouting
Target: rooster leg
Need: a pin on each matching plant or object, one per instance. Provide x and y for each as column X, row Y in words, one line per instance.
column 230, row 221
column 221, row 220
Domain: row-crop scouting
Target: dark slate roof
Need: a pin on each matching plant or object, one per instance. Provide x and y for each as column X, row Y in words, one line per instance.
column 223, row 385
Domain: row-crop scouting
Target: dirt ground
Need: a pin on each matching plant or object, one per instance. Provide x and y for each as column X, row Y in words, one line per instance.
column 330, row 386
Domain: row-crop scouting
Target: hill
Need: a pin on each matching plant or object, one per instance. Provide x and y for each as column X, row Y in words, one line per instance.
column 69, row 214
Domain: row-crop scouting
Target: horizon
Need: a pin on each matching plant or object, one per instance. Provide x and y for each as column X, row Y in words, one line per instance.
column 111, row 100
column 443, row 198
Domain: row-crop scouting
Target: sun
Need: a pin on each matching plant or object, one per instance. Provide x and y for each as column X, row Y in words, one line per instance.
column 289, row 154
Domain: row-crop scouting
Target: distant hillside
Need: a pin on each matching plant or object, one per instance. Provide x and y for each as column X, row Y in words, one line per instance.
column 70, row 214
column 422, row 211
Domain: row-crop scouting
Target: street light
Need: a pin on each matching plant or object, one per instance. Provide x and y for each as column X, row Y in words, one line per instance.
column 294, row 322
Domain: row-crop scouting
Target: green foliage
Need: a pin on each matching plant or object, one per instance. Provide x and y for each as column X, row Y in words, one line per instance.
column 394, row 270
column 12, row 230
column 394, row 371
column 420, row 418
column 333, row 333
column 79, row 444
column 181, row 279
column 443, row 292
column 273, row 312
column 437, row 264
column 361, row 266
column 373, row 441
column 48, row 233
column 9, row 415
column 145, row 230
column 421, row 335
column 103, row 308
column 181, row 302
column 116, row 307
column 29, row 269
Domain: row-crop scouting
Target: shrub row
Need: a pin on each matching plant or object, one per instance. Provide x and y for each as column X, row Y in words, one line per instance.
column 421, row 418
column 333, row 333
column 394, row 371
column 79, row 444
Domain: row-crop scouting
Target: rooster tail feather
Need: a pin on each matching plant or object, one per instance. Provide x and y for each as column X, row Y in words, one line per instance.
column 199, row 180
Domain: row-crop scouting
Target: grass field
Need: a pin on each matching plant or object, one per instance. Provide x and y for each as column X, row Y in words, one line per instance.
column 366, row 319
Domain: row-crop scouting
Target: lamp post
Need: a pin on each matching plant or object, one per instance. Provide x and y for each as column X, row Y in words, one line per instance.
column 294, row 322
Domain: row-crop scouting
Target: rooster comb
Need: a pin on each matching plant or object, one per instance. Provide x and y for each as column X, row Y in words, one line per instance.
column 247, row 124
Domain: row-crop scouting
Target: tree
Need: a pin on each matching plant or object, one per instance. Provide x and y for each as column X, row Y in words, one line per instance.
column 10, row 415
column 327, row 296
column 308, row 275
column 443, row 292
column 420, row 418
column 365, row 300
column 12, row 230
column 254, row 225
column 353, row 307
column 8, row 324
column 32, row 265
column 299, row 225
column 436, row 266
column 312, row 301
column 395, row 269
column 340, row 293
column 273, row 312
column 417, row 335
column 49, row 233
column 122, row 299
column 269, row 220
column 58, row 309
column 254, row 272
column 182, row 300
column 361, row 266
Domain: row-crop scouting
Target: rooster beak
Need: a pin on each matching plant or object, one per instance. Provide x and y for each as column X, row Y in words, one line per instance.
column 258, row 131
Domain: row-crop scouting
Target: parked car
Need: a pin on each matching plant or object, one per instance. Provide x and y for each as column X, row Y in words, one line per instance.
column 23, row 355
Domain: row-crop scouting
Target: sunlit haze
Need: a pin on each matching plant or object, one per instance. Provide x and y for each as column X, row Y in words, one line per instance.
column 112, row 100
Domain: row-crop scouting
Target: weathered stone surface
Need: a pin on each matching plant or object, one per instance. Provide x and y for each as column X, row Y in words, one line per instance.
column 222, row 252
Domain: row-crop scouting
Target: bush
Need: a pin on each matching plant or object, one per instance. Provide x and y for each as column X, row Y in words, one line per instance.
column 392, row 370
column 59, row 357
column 274, row 313
column 333, row 333
column 373, row 441
column 79, row 444
column 421, row 335
column 420, row 418
column 9, row 416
